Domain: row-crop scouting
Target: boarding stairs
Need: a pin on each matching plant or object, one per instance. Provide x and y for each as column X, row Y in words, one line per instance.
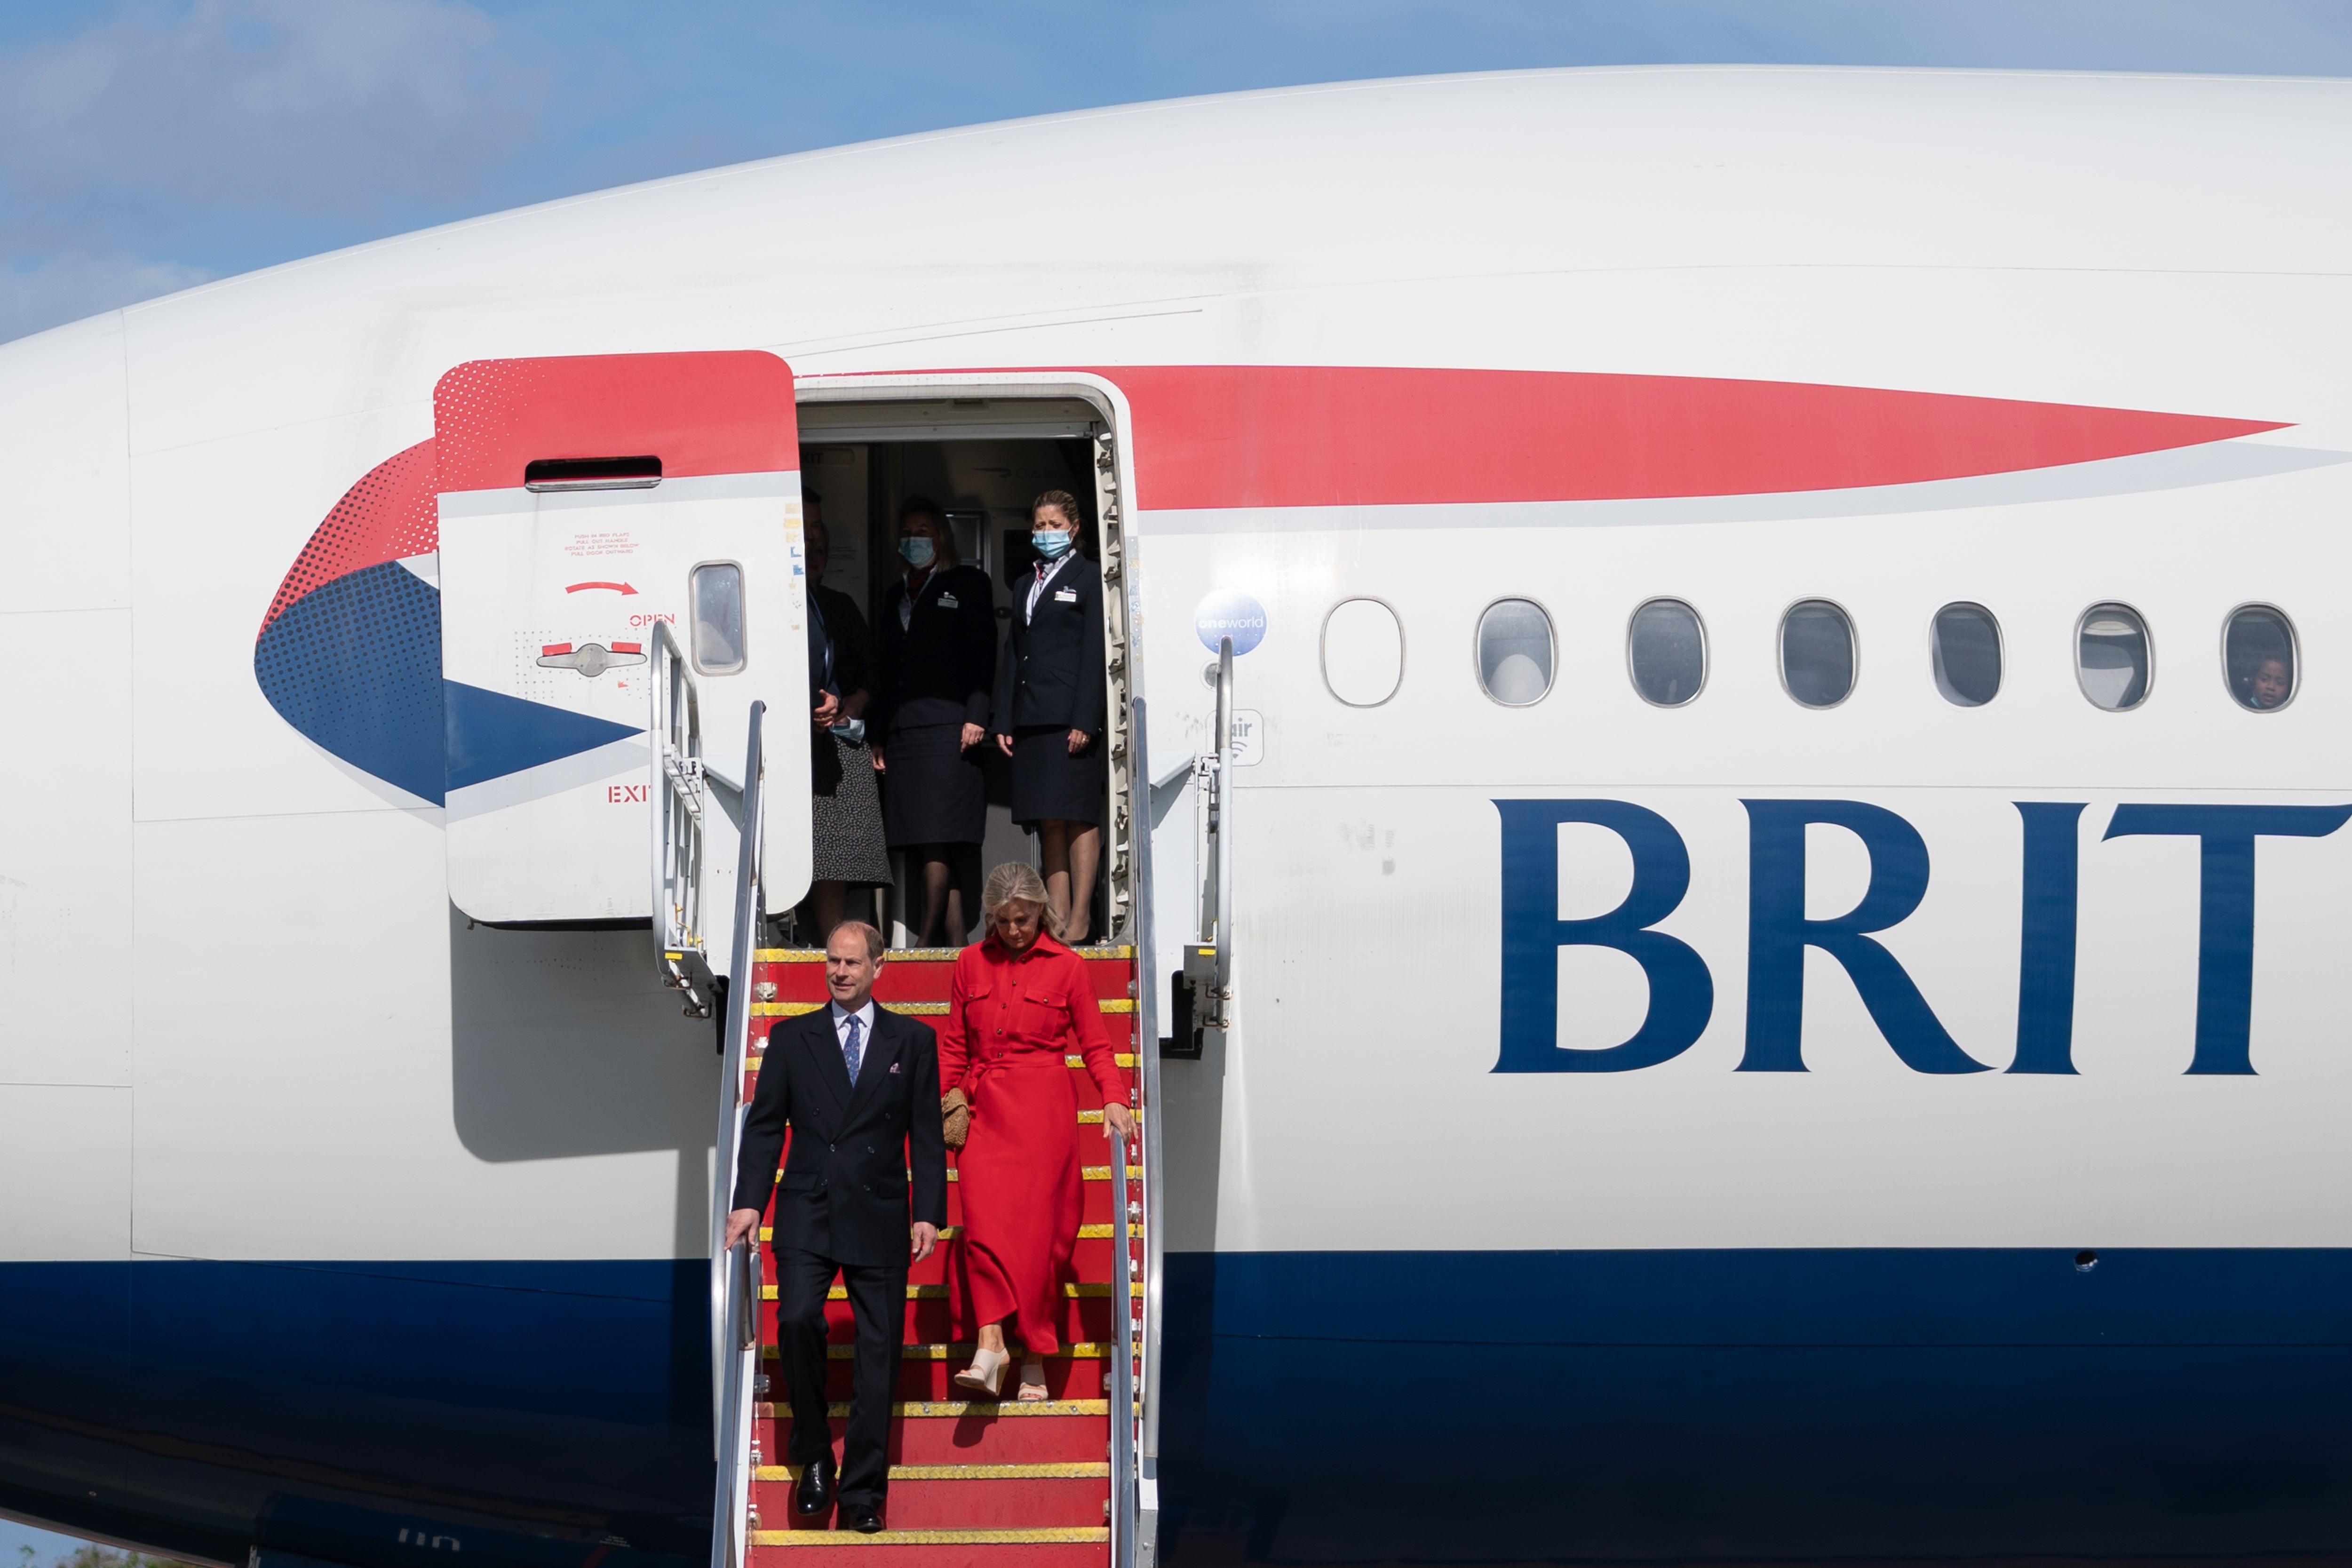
column 972, row 1482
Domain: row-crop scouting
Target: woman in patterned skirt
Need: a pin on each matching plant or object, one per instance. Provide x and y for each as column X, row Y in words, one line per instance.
column 1020, row 1004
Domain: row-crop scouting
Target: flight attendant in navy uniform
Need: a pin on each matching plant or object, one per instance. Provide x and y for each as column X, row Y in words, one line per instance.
column 939, row 675
column 1051, row 707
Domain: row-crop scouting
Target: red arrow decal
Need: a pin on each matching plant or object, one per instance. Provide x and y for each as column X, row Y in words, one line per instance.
column 616, row 587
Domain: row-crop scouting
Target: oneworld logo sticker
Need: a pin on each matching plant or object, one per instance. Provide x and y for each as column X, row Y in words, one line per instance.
column 1229, row 613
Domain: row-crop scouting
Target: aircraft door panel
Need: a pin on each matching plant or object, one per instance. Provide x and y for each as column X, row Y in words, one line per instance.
column 583, row 502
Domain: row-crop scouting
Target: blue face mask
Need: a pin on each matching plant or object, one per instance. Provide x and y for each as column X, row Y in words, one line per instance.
column 1050, row 543
column 917, row 551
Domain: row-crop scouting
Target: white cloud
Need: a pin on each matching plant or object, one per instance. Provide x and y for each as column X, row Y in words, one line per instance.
column 320, row 107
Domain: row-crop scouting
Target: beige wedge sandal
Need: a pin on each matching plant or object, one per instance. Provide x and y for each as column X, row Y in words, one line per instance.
column 986, row 1373
column 1033, row 1384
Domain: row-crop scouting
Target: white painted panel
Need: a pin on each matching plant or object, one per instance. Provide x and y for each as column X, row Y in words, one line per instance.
column 65, row 847
column 65, row 530
column 1856, row 1151
column 331, row 1064
column 65, row 1173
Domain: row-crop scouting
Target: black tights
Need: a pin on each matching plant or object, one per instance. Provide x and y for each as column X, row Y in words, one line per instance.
column 950, row 892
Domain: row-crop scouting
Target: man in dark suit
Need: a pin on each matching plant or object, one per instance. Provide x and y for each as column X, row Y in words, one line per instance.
column 860, row 1089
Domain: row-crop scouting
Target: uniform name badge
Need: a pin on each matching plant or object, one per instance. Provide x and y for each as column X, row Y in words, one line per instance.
column 1066, row 595
column 947, row 601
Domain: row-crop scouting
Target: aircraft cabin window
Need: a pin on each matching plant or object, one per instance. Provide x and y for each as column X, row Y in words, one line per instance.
column 2114, row 663
column 2258, row 658
column 717, row 600
column 1363, row 652
column 1817, row 653
column 1665, row 649
column 1515, row 652
column 1966, row 641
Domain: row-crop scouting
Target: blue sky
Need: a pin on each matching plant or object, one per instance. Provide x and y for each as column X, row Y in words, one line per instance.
column 149, row 144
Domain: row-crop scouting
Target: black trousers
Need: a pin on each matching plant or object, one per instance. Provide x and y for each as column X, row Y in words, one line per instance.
column 877, row 1298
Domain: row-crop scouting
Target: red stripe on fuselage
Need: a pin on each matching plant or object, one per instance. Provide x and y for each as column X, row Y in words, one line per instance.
column 1292, row 436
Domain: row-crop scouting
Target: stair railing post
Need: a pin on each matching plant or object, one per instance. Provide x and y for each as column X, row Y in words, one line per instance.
column 1145, row 1534
column 735, row 1314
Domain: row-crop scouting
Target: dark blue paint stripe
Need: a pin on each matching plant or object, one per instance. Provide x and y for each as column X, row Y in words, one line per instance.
column 491, row 734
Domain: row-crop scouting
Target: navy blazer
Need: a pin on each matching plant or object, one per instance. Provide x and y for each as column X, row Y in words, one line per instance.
column 845, row 1187
column 1052, row 673
column 940, row 667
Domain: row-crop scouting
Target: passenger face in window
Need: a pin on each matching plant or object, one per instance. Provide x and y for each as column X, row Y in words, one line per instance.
column 2270, row 683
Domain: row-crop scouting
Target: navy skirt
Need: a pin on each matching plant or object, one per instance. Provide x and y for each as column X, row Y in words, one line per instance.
column 933, row 790
column 1048, row 783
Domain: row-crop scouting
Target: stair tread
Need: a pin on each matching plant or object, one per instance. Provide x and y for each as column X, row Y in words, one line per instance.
column 1083, row 1349
column 921, row 954
column 951, row 1410
column 1063, row 1469
column 1082, row 1291
column 1086, row 1174
column 1109, row 1005
column 950, row 1231
column 1038, row 1535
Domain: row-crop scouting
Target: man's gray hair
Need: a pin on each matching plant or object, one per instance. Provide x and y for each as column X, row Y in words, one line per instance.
column 875, row 944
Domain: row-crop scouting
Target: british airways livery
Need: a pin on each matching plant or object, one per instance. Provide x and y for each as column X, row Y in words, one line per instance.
column 1729, row 746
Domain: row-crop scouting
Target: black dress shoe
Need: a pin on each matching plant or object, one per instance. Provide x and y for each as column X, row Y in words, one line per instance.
column 859, row 1517
column 814, row 1494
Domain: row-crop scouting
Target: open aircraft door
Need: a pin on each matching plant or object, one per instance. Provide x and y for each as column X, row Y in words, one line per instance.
column 585, row 503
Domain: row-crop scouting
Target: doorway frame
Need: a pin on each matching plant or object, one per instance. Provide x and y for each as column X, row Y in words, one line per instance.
column 1122, row 597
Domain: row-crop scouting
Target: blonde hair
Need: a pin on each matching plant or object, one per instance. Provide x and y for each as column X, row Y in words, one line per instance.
column 1017, row 882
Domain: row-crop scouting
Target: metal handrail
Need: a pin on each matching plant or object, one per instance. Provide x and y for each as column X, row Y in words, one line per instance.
column 1123, row 1520
column 1221, row 991
column 1144, row 1502
column 735, row 1290
column 679, row 790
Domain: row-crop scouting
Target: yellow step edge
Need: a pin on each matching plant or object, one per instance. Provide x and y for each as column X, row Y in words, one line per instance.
column 950, row 1409
column 1124, row 1058
column 1117, row 1007
column 1083, row 1290
column 1072, row 1470
column 1079, row 1350
column 1038, row 1536
column 912, row 954
column 948, row 1232
column 1086, row 1174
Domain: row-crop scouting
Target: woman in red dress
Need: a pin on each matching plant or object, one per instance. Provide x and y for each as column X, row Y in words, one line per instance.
column 1019, row 1004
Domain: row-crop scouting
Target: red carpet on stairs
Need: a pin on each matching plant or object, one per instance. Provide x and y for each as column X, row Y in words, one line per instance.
column 972, row 1482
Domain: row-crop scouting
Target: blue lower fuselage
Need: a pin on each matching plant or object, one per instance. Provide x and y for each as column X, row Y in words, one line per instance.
column 1642, row 1404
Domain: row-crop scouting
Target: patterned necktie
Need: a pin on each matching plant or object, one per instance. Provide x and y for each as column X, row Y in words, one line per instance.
column 850, row 1054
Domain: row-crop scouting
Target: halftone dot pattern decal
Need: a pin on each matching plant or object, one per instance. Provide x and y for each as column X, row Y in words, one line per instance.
column 474, row 411
column 391, row 514
column 355, row 665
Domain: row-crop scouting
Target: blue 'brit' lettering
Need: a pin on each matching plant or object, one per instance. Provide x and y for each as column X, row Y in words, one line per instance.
column 1682, row 992
column 2046, row 940
column 1778, row 934
column 2225, row 917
